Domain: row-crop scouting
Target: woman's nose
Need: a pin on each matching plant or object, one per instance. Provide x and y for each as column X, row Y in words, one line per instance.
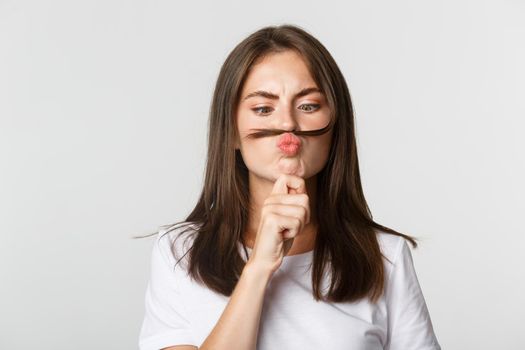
column 286, row 120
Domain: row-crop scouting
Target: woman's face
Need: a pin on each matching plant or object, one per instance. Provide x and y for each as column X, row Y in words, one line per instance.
column 284, row 75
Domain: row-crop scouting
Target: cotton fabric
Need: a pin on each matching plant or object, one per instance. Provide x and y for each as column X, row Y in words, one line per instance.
column 180, row 311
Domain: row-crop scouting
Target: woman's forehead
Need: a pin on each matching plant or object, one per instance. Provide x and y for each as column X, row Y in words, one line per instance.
column 278, row 70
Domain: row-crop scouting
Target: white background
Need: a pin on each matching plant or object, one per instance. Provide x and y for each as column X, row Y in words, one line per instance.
column 103, row 117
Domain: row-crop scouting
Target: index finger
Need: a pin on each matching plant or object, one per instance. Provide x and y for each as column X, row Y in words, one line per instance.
column 295, row 183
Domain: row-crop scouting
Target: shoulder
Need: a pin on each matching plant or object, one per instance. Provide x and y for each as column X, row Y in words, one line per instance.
column 173, row 241
column 392, row 246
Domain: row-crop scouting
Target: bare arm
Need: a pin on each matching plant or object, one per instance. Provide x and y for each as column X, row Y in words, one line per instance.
column 238, row 325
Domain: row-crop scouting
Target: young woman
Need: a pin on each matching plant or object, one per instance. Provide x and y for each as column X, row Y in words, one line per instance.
column 281, row 251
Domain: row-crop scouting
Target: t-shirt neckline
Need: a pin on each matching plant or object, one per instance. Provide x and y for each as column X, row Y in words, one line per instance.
column 302, row 259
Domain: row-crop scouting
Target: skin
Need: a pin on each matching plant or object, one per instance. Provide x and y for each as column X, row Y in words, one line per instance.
column 283, row 74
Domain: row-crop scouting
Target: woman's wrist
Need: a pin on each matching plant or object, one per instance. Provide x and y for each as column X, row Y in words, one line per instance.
column 257, row 271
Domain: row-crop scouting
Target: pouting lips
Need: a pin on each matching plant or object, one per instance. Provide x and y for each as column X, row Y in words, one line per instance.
column 289, row 143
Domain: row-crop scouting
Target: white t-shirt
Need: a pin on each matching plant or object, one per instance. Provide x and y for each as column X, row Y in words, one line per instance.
column 181, row 311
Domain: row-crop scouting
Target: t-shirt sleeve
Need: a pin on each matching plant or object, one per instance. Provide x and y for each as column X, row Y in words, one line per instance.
column 165, row 320
column 409, row 323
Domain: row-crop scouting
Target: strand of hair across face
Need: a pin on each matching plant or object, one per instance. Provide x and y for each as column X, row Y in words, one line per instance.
column 272, row 132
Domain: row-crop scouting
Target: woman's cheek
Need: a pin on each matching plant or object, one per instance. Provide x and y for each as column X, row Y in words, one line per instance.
column 258, row 156
column 258, row 153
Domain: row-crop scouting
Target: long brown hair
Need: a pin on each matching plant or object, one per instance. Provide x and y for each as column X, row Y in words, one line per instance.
column 346, row 240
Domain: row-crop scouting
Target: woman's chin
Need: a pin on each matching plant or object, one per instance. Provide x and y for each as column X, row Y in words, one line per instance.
column 290, row 166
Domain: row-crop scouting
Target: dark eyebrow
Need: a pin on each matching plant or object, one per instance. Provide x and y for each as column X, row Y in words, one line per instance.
column 269, row 95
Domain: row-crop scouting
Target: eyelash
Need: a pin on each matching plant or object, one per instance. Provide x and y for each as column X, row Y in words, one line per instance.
column 317, row 106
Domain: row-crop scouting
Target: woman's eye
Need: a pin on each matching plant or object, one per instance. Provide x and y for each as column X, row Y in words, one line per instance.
column 257, row 110
column 316, row 106
column 265, row 109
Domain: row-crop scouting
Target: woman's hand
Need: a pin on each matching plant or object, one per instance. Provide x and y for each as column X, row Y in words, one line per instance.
column 283, row 216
